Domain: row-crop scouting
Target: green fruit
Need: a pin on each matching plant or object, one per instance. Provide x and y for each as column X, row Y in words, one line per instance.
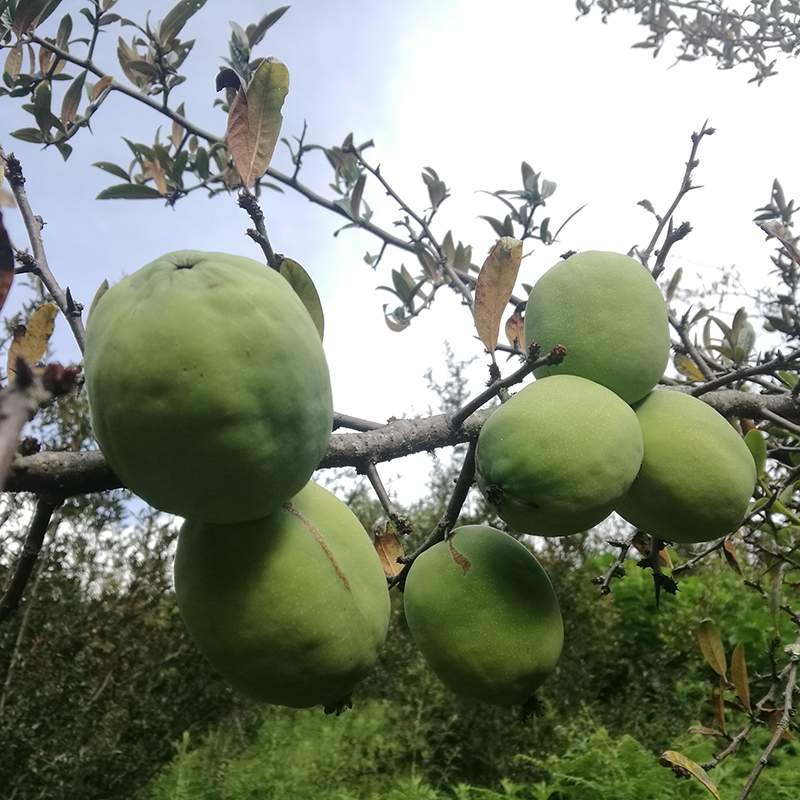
column 290, row 609
column 208, row 387
column 484, row 615
column 697, row 474
column 609, row 314
column 558, row 456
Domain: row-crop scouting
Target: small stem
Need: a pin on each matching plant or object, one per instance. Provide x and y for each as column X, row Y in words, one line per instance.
column 442, row 529
column 690, row 348
column 249, row 203
column 33, row 225
column 784, row 362
column 615, row 569
column 45, row 507
column 555, row 356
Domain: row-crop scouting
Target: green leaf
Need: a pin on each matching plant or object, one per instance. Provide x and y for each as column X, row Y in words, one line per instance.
column 255, row 118
column 33, row 135
column 26, row 14
column 176, row 18
column 711, row 647
column 64, row 32
column 758, row 449
column 107, row 166
column 494, row 287
column 673, row 284
column 129, row 191
column 72, row 99
column 101, row 290
column 304, row 287
column 255, row 33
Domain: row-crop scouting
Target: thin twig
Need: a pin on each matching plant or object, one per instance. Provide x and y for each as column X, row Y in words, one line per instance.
column 686, row 186
column 690, row 348
column 615, row 569
column 779, row 362
column 555, row 356
column 248, row 202
column 400, row 522
column 45, row 507
column 440, row 532
column 33, row 225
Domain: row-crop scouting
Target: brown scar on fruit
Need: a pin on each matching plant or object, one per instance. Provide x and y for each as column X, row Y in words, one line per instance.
column 320, row 541
column 461, row 560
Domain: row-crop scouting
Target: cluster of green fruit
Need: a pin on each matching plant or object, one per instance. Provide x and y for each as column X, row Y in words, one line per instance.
column 588, row 437
column 199, row 407
column 594, row 436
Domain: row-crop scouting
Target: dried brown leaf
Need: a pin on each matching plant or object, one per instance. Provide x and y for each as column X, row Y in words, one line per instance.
column 515, row 330
column 718, row 706
column 493, row 289
column 730, row 556
column 254, row 120
column 389, row 549
column 31, row 343
column 101, row 86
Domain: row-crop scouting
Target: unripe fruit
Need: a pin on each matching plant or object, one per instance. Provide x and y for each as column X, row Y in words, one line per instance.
column 290, row 609
column 208, row 387
column 697, row 474
column 558, row 456
column 608, row 313
column 484, row 615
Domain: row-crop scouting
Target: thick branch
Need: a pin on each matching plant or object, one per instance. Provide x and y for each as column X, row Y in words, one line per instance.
column 78, row 473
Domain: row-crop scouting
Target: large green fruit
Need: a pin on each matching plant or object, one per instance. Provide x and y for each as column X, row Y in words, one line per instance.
column 697, row 474
column 290, row 609
column 558, row 456
column 484, row 615
column 208, row 387
column 609, row 314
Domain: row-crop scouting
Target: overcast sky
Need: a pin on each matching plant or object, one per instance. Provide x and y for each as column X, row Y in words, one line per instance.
column 469, row 88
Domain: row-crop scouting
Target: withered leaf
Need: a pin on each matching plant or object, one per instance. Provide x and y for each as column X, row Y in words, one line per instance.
column 32, row 343
column 739, row 675
column 389, row 549
column 680, row 764
column 493, row 289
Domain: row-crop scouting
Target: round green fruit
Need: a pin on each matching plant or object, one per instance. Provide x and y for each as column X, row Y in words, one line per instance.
column 558, row 456
column 290, row 609
column 608, row 313
column 208, row 387
column 697, row 474
column 484, row 615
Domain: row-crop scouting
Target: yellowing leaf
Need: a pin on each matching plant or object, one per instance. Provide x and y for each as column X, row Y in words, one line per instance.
column 718, row 706
column 304, row 288
column 254, row 121
column 13, row 61
column 731, row 557
column 515, row 330
column 711, row 647
column 32, row 342
column 739, row 675
column 686, row 367
column 493, row 289
column 101, row 86
column 681, row 765
column 389, row 549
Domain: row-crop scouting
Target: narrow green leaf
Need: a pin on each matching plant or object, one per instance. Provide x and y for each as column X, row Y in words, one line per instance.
column 26, row 13
column 493, row 289
column 33, row 135
column 757, row 445
column 129, row 191
column 255, row 33
column 177, row 17
column 72, row 99
column 107, row 166
column 673, row 284
column 255, row 118
column 304, row 287
column 711, row 647
column 64, row 32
